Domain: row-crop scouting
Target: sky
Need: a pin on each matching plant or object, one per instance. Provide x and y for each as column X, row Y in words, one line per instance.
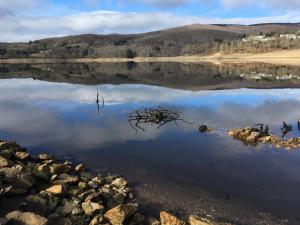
column 25, row 20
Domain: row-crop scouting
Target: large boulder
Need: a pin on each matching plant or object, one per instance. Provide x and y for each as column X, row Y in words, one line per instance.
column 120, row 213
column 25, row 218
column 168, row 219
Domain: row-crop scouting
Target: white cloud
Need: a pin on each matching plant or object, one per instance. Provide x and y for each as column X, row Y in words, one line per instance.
column 25, row 28
column 268, row 4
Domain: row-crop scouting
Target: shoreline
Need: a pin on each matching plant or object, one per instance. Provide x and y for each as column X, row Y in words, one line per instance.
column 286, row 57
column 42, row 190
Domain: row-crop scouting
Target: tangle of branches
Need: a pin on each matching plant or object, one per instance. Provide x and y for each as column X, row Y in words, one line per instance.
column 159, row 117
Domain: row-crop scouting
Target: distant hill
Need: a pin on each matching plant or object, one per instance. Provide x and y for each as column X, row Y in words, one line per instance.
column 185, row 40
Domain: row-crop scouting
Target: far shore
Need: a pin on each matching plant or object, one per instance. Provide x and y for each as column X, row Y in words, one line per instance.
column 282, row 57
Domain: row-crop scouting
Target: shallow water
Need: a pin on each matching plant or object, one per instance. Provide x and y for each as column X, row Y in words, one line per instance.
column 173, row 167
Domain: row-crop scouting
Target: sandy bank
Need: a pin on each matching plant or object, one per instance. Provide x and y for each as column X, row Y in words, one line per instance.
column 284, row 57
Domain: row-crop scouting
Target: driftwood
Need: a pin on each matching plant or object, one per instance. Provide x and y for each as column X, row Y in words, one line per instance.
column 159, row 117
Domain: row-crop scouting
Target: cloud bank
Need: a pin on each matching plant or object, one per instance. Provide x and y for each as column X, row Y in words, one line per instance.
column 35, row 19
column 24, row 28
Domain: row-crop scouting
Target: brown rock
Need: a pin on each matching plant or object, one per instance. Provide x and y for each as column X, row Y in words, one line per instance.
column 79, row 168
column 196, row 220
column 96, row 220
column 55, row 190
column 58, row 168
column 92, row 208
column 120, row 183
column 119, row 214
column 66, row 179
column 22, row 155
column 168, row 219
column 43, row 157
column 3, row 162
column 26, row 218
column 11, row 172
column 253, row 137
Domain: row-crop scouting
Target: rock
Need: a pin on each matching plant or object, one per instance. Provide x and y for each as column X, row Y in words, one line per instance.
column 44, row 157
column 42, row 172
column 82, row 185
column 7, row 153
column 79, row 168
column 137, row 219
column 168, row 219
column 266, row 139
column 21, row 155
column 11, row 172
column 55, row 219
column 53, row 202
column 253, row 137
column 120, row 183
column 153, row 221
column 119, row 198
column 55, row 190
column 92, row 208
column 26, row 180
column 3, row 162
column 58, row 168
column 195, row 220
column 119, row 214
column 96, row 220
column 77, row 211
column 66, row 179
column 67, row 208
column 25, row 218
column 3, row 221
column 203, row 128
column 35, row 204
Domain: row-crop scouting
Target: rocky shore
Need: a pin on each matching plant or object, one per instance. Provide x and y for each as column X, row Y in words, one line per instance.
column 41, row 190
column 254, row 136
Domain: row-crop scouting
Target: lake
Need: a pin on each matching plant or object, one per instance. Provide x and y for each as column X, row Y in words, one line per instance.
column 52, row 108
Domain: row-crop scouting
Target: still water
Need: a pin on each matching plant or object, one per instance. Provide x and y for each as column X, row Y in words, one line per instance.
column 174, row 167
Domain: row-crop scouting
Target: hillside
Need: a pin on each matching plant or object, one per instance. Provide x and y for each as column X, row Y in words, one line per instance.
column 187, row 40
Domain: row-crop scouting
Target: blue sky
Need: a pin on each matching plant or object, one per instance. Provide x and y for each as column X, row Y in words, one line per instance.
column 24, row 20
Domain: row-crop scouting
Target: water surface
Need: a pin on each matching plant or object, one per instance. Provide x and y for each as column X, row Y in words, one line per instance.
column 174, row 167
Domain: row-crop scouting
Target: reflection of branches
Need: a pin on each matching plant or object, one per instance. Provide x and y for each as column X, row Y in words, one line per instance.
column 159, row 116
column 286, row 129
column 98, row 102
